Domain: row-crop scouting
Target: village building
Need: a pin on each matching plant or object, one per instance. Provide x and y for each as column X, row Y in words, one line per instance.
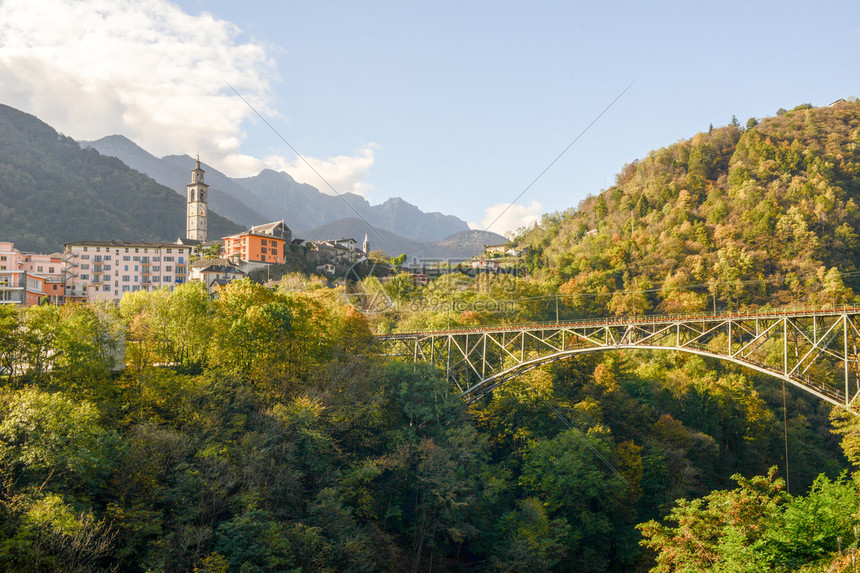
column 261, row 244
column 29, row 278
column 12, row 287
column 40, row 288
column 341, row 251
column 106, row 270
column 215, row 273
column 485, row 264
column 495, row 249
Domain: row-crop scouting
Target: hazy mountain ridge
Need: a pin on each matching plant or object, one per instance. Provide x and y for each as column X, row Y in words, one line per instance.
column 272, row 195
column 52, row 191
column 464, row 244
column 175, row 172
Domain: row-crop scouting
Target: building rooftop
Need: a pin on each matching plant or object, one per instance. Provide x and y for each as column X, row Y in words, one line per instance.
column 125, row 244
column 221, row 269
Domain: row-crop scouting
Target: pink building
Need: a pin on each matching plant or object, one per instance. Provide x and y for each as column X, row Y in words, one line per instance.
column 105, row 270
column 27, row 278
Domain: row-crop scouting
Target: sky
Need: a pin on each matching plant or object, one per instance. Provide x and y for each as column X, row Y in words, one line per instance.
column 458, row 107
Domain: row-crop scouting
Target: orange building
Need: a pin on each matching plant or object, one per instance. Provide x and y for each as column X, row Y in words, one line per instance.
column 261, row 244
column 39, row 287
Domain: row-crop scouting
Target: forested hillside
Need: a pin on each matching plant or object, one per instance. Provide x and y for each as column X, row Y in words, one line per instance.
column 767, row 214
column 53, row 192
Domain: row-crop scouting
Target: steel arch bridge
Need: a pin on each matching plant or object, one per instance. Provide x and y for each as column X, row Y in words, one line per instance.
column 813, row 349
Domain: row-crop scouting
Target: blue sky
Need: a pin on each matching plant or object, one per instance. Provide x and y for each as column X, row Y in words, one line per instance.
column 458, row 106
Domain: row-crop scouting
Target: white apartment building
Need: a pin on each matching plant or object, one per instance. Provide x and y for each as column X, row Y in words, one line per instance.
column 106, row 270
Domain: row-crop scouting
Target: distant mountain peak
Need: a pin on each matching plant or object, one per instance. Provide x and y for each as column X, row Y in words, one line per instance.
column 277, row 195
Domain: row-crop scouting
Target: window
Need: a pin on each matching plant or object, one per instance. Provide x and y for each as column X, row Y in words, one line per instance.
column 85, row 277
column 106, row 288
column 168, row 258
column 126, row 267
column 51, row 270
column 136, row 268
column 126, row 250
column 85, row 248
column 107, row 267
column 86, row 257
column 135, row 258
column 85, row 267
column 124, row 288
column 126, row 257
column 107, row 258
column 168, row 268
column 263, row 242
column 156, row 268
column 155, row 279
column 125, row 278
column 39, row 269
column 181, row 259
column 3, row 258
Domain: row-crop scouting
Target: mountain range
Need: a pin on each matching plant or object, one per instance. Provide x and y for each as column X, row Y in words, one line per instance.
column 52, row 192
column 273, row 195
column 460, row 245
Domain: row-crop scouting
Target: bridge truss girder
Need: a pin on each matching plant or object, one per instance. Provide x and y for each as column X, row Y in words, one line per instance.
column 816, row 351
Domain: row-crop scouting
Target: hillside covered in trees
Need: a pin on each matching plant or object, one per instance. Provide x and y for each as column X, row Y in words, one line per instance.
column 53, row 192
column 259, row 430
column 767, row 214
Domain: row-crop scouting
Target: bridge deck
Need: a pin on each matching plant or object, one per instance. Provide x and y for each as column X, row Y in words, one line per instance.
column 638, row 320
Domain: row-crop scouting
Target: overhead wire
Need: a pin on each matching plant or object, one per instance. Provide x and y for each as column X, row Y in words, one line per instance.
column 559, row 156
column 308, row 163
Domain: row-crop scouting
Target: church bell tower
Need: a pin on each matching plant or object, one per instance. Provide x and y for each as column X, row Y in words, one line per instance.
column 195, row 226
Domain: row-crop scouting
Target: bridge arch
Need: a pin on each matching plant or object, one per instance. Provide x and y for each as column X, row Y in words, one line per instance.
column 477, row 391
column 815, row 350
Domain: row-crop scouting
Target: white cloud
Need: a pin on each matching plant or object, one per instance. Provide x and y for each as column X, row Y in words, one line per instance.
column 505, row 218
column 147, row 70
column 344, row 173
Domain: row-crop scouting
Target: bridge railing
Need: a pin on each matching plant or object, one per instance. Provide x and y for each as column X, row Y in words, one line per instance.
column 794, row 312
